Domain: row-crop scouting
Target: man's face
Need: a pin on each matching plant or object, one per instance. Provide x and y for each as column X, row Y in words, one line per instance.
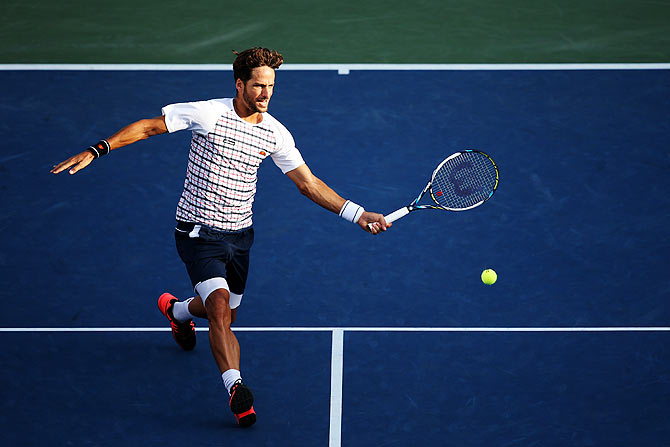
column 257, row 91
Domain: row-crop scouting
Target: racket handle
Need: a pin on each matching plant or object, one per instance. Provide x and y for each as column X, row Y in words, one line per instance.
column 394, row 215
column 402, row 212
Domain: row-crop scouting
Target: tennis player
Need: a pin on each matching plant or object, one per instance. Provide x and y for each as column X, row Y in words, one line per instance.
column 214, row 232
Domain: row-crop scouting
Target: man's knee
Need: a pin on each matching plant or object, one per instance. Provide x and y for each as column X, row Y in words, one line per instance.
column 218, row 306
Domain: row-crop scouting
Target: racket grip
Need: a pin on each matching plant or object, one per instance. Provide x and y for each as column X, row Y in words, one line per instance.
column 402, row 212
column 394, row 216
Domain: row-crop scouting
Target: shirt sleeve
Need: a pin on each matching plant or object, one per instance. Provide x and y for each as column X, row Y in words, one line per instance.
column 288, row 157
column 197, row 116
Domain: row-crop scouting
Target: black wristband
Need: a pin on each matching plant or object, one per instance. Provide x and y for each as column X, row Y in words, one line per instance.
column 100, row 148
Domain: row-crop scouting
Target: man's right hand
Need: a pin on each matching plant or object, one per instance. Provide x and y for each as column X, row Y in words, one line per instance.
column 76, row 163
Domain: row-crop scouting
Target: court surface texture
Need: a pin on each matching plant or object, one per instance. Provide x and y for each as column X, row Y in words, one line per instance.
column 347, row 339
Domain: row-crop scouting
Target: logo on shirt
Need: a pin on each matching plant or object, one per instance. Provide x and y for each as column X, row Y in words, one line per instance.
column 228, row 142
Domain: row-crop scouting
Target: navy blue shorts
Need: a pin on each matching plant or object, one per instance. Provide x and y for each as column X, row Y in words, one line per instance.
column 215, row 254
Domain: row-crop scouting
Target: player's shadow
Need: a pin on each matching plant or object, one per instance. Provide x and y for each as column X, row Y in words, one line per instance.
column 219, row 423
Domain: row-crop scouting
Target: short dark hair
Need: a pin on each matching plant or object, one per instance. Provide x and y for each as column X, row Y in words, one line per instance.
column 252, row 58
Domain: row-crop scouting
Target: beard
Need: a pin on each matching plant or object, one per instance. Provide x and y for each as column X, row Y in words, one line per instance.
column 251, row 104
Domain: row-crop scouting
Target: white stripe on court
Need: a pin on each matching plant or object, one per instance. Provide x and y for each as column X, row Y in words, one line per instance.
column 336, row 368
column 352, row 329
column 340, row 68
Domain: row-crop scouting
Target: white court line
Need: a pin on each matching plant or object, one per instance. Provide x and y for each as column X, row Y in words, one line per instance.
column 352, row 329
column 340, row 68
column 336, row 368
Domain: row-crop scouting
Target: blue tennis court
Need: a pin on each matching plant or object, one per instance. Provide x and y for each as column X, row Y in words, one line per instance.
column 428, row 354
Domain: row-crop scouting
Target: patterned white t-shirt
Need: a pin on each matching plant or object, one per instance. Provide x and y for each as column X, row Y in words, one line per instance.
column 225, row 155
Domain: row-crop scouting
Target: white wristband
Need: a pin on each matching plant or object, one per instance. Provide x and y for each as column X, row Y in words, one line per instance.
column 351, row 211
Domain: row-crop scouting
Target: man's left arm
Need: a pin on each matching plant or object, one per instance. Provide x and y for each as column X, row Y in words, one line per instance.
column 316, row 190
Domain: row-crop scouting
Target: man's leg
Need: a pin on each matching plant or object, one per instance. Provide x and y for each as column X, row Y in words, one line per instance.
column 222, row 340
column 226, row 352
column 180, row 314
column 214, row 268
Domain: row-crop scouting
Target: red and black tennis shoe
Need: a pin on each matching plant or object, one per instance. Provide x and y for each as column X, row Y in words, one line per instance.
column 242, row 404
column 183, row 333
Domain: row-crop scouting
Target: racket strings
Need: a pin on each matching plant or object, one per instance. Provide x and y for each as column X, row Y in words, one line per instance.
column 464, row 181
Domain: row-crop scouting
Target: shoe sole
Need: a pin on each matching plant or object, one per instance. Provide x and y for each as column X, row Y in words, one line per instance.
column 242, row 406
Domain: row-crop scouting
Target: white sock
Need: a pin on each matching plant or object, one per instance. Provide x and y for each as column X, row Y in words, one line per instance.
column 230, row 377
column 180, row 311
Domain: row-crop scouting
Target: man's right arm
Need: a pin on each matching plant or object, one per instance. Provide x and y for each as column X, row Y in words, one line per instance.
column 136, row 131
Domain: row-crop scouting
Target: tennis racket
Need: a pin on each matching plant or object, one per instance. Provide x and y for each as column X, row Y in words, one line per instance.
column 462, row 181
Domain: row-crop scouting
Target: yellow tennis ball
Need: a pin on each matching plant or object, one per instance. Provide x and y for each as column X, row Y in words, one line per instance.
column 489, row 276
